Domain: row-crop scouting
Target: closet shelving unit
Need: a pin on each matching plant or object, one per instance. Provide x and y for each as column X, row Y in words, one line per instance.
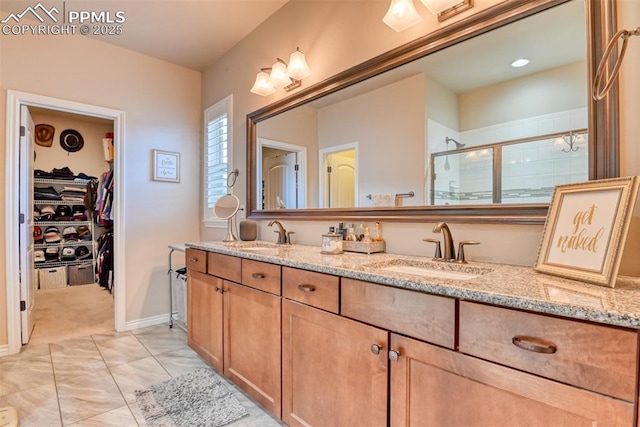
column 90, row 244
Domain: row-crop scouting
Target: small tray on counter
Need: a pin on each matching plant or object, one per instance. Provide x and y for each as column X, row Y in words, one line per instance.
column 363, row 247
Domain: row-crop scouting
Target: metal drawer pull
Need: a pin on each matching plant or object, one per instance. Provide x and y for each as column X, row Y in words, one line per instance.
column 525, row 343
column 193, row 259
column 394, row 355
column 375, row 348
column 258, row 276
column 307, row 288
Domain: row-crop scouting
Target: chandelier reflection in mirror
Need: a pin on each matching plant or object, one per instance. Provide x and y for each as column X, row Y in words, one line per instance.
column 282, row 75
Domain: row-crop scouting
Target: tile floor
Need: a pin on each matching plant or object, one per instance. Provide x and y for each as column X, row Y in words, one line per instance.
column 90, row 381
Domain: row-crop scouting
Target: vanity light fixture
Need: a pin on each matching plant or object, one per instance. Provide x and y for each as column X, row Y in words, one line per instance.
column 402, row 14
column 520, row 62
column 282, row 75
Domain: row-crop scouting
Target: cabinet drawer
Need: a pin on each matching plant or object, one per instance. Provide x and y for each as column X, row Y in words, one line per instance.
column 311, row 288
column 426, row 317
column 261, row 275
column 224, row 266
column 196, row 260
column 594, row 357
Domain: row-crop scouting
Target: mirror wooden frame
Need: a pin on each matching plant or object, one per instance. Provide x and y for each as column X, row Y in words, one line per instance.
column 603, row 117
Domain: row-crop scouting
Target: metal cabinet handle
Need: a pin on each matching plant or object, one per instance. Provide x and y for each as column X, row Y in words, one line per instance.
column 258, row 276
column 307, row 288
column 394, row 355
column 376, row 349
column 526, row 343
column 221, row 290
column 193, row 259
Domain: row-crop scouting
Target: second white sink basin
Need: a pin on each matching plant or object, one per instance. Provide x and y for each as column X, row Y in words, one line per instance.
column 433, row 269
column 427, row 272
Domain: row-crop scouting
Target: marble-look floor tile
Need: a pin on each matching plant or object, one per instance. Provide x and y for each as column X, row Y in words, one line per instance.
column 138, row 375
column 162, row 341
column 121, row 417
column 137, row 414
column 25, row 373
column 37, row 407
column 121, row 350
column 75, row 357
column 26, row 352
column 86, row 396
column 110, row 335
column 181, row 361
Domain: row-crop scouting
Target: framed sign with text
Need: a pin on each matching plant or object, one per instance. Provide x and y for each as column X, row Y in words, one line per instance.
column 586, row 229
column 166, row 166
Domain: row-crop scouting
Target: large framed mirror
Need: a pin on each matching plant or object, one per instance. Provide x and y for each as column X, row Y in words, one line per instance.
column 444, row 127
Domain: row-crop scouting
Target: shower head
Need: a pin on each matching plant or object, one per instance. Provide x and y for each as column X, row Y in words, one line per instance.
column 458, row 144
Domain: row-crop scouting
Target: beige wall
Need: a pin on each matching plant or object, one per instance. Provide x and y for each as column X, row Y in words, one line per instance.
column 379, row 121
column 162, row 106
column 338, row 35
column 559, row 89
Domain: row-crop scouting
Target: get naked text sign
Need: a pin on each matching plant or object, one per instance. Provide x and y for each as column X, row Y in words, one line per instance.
column 586, row 228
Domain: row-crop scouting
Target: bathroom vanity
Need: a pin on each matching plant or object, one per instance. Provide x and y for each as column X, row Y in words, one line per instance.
column 397, row 340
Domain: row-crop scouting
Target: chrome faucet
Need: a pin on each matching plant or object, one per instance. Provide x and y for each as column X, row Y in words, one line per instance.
column 283, row 236
column 448, row 253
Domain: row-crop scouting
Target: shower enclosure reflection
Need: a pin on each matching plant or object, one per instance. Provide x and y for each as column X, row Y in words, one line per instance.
column 517, row 171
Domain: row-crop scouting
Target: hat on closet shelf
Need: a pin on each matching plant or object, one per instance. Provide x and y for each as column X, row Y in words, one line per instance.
column 38, row 256
column 70, row 233
column 52, row 235
column 68, row 253
column 63, row 212
column 52, row 253
column 47, row 213
column 82, row 252
column 44, row 135
column 71, row 140
column 38, row 236
column 84, row 233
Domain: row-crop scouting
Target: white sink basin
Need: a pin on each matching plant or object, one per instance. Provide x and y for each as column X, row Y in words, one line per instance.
column 427, row 272
column 433, row 269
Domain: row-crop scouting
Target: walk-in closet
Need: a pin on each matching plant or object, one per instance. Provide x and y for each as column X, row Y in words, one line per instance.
column 73, row 235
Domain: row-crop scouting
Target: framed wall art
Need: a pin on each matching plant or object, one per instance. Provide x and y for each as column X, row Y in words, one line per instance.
column 166, row 166
column 586, row 229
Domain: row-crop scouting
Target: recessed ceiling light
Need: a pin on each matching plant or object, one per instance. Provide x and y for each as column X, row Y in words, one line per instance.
column 520, row 62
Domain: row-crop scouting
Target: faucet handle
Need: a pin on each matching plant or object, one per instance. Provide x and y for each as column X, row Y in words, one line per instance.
column 461, row 258
column 289, row 236
column 438, row 254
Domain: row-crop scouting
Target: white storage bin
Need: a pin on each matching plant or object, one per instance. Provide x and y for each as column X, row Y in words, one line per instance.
column 52, row 278
column 180, row 285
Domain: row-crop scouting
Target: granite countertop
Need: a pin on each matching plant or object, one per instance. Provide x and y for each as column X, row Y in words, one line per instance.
column 498, row 284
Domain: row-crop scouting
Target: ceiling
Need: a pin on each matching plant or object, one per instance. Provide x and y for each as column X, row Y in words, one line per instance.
column 191, row 33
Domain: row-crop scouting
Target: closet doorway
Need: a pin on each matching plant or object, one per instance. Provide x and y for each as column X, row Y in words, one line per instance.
column 62, row 198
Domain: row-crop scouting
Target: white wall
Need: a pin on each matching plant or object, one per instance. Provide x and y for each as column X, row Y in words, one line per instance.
column 551, row 91
column 388, row 125
column 338, row 35
column 163, row 111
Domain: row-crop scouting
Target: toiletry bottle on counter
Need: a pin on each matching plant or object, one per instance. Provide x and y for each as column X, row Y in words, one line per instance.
column 351, row 234
column 377, row 234
column 331, row 242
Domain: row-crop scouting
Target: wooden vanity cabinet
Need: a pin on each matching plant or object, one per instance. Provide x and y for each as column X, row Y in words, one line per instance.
column 431, row 386
column 236, row 328
column 205, row 320
column 334, row 370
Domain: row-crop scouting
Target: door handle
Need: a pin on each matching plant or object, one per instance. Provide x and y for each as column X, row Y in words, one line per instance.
column 258, row 276
column 307, row 288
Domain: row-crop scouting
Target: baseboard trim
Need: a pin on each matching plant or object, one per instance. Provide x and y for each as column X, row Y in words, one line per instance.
column 147, row 321
column 4, row 350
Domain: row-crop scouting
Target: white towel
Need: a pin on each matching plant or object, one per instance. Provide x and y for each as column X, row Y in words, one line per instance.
column 382, row 200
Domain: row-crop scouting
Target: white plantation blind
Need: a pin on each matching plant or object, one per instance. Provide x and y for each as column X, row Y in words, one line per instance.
column 217, row 149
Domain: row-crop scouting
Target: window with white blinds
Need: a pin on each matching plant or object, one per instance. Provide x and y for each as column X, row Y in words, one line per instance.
column 217, row 156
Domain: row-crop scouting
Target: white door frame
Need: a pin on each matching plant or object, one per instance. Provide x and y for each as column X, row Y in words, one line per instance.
column 12, row 197
column 302, row 164
column 322, row 155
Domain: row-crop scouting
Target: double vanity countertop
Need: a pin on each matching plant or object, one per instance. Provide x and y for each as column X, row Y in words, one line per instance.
column 499, row 284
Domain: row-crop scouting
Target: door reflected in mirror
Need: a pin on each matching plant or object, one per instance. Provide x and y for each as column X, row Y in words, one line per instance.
column 507, row 121
column 282, row 175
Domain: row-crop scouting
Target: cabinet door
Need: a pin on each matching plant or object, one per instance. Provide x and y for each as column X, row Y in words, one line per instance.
column 204, row 324
column 330, row 375
column 252, row 343
column 431, row 386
